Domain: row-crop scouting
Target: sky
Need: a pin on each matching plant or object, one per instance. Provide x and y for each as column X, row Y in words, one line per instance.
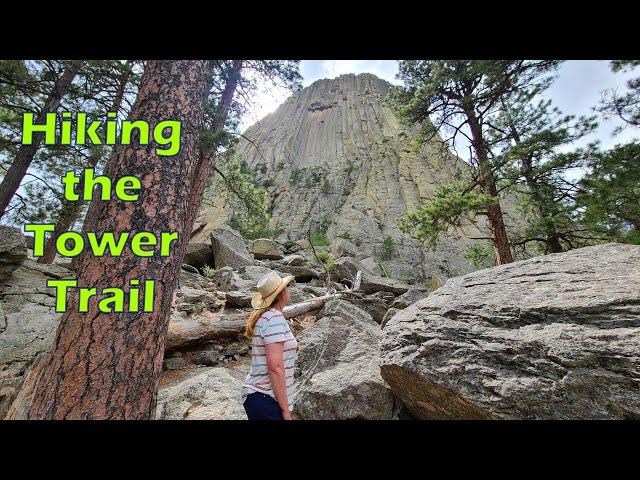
column 576, row 91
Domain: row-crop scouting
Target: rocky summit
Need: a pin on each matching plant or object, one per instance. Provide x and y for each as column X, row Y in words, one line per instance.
column 335, row 156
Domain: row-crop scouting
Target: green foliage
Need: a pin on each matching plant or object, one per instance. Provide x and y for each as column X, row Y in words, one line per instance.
column 449, row 98
column 350, row 167
column 534, row 162
column 625, row 106
column 481, row 255
column 325, row 186
column 326, row 258
column 296, row 176
column 24, row 88
column 610, row 194
column 386, row 272
column 208, row 271
column 449, row 207
column 319, row 239
column 388, row 247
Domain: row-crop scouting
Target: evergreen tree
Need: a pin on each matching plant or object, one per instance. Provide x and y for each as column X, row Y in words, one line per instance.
column 16, row 80
column 625, row 106
column 107, row 365
column 105, row 90
column 534, row 160
column 464, row 98
column 610, row 194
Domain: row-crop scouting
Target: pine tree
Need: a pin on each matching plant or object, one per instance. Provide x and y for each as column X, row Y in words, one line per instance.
column 610, row 194
column 625, row 106
column 463, row 97
column 534, row 161
column 108, row 81
column 107, row 365
column 25, row 153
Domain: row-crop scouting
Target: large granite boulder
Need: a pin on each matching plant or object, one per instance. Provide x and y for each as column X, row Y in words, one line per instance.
column 204, row 394
column 28, row 322
column 229, row 248
column 264, row 248
column 553, row 337
column 13, row 249
column 337, row 372
column 371, row 283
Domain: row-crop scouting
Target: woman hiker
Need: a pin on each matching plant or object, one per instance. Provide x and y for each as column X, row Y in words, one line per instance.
column 267, row 393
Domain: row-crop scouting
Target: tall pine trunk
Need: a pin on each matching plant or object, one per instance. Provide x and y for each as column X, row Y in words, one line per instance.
column 107, row 366
column 205, row 162
column 26, row 153
column 487, row 182
column 70, row 211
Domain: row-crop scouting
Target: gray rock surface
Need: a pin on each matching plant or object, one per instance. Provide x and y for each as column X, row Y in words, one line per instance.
column 337, row 374
column 336, row 156
column 28, row 320
column 229, row 248
column 264, row 248
column 553, row 337
column 203, row 394
column 13, row 249
column 373, row 283
column 410, row 297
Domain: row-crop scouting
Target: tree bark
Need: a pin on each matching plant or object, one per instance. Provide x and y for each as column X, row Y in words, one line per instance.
column 70, row 211
column 205, row 162
column 107, row 365
column 487, row 182
column 26, row 153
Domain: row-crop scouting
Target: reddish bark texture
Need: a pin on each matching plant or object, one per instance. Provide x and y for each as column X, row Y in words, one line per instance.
column 107, row 366
column 205, row 163
column 487, row 182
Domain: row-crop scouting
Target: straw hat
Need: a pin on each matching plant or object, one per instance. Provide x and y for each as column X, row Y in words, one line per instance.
column 269, row 286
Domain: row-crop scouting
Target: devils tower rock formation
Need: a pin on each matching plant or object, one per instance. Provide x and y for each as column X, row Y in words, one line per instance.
column 335, row 156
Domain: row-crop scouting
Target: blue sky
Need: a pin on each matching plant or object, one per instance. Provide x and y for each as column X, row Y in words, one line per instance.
column 578, row 88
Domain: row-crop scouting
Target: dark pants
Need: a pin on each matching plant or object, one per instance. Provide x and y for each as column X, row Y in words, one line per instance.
column 260, row 406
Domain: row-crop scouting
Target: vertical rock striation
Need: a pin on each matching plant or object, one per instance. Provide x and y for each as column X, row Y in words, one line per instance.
column 334, row 154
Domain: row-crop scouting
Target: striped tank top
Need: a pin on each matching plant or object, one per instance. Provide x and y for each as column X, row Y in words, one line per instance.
column 271, row 327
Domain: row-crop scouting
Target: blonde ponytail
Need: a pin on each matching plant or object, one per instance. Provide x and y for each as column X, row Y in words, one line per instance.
column 251, row 322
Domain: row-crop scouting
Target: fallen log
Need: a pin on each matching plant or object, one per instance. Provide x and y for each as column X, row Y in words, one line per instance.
column 202, row 329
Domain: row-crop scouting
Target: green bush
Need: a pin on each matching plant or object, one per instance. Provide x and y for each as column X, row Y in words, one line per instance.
column 388, row 247
column 319, row 239
column 208, row 271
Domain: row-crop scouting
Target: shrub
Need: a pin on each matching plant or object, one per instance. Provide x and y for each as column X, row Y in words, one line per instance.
column 388, row 247
column 319, row 239
column 208, row 271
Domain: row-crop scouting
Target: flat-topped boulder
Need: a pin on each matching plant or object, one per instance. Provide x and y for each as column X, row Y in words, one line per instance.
column 552, row 337
column 264, row 248
column 229, row 249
